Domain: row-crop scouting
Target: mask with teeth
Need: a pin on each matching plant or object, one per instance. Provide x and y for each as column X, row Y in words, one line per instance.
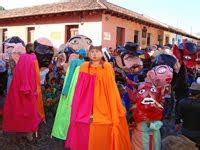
column 148, row 103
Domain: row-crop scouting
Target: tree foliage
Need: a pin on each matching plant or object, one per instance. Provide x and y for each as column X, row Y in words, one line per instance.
column 2, row 8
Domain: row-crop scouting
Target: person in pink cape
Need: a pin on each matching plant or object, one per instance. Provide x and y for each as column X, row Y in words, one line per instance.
column 20, row 109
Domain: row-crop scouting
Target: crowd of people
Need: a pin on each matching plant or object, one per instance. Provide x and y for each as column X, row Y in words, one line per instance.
column 102, row 98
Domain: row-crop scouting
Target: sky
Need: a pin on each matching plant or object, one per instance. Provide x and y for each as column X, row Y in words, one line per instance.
column 183, row 14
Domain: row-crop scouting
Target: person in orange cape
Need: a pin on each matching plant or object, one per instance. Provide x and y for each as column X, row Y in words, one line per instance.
column 98, row 117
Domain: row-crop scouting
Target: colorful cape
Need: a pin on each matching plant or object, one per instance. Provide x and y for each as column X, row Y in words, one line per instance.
column 20, row 109
column 62, row 119
column 96, row 94
column 145, row 137
column 72, row 66
column 39, row 92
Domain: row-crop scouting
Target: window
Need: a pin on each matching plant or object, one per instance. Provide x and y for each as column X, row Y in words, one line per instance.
column 144, row 32
column 166, row 40
column 5, row 34
column 136, row 36
column 173, row 40
column 160, row 40
column 74, row 32
column 149, row 39
column 31, row 34
column 70, row 31
column 120, row 36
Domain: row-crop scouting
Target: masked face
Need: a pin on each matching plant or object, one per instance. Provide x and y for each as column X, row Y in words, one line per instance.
column 44, row 54
column 78, row 42
column 129, row 63
column 148, row 103
column 161, row 76
column 189, row 59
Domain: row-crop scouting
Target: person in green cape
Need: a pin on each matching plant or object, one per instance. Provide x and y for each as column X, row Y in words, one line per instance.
column 62, row 119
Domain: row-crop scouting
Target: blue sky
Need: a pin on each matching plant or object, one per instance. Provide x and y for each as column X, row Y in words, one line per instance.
column 184, row 14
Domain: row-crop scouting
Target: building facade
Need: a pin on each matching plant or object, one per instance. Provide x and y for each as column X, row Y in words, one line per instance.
column 105, row 23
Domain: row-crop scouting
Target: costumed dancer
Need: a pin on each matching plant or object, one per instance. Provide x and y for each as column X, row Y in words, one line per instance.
column 44, row 51
column 148, row 107
column 147, row 113
column 3, row 82
column 186, row 53
column 98, row 117
column 9, row 45
column 21, row 113
column 62, row 119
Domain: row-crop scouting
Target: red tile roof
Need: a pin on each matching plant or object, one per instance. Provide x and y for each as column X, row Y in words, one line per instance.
column 53, row 8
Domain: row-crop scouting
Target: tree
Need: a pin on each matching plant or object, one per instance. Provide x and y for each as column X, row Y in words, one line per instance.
column 2, row 8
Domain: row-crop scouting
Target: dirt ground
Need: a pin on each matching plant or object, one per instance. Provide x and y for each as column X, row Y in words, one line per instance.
column 42, row 142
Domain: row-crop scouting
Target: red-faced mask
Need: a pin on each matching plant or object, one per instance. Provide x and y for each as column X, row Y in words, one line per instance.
column 147, row 105
column 186, row 53
column 189, row 59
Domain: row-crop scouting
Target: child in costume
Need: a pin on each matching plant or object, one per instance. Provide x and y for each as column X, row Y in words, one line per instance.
column 98, row 117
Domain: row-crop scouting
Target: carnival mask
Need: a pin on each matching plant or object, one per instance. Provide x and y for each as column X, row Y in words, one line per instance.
column 44, row 51
column 147, row 103
column 161, row 76
column 186, row 53
column 79, row 41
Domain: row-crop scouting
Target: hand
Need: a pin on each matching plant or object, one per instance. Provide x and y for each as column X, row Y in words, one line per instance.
column 178, row 126
column 91, row 118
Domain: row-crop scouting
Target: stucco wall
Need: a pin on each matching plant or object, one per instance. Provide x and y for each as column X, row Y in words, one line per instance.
column 20, row 31
column 110, row 23
column 54, row 29
column 92, row 30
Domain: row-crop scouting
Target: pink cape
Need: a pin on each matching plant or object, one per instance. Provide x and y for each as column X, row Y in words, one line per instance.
column 78, row 133
column 20, row 109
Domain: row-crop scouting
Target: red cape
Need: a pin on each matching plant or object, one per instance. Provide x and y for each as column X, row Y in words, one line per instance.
column 20, row 109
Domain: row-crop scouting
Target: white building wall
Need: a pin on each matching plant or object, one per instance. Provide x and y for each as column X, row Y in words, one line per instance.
column 56, row 32
column 92, row 30
column 20, row 31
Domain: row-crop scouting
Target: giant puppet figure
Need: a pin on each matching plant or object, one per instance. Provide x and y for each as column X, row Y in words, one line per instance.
column 188, row 56
column 148, row 107
column 97, row 116
column 129, row 66
column 44, row 51
column 3, row 82
column 23, row 111
column 13, row 47
column 8, row 47
column 147, row 113
column 75, row 43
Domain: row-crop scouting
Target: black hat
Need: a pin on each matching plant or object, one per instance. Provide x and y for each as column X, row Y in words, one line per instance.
column 15, row 39
column 133, row 48
column 191, row 47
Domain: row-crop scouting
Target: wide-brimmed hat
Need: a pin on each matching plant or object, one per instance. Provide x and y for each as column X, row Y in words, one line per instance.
column 133, row 48
column 195, row 86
